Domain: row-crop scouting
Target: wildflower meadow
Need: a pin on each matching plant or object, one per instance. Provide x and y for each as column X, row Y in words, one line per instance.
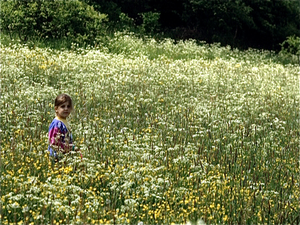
column 170, row 133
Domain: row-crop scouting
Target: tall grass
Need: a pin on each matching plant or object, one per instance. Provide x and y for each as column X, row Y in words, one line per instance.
column 169, row 133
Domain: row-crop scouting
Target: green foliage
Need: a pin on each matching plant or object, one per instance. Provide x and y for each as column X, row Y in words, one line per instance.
column 110, row 8
column 260, row 24
column 290, row 50
column 238, row 23
column 218, row 19
column 125, row 23
column 274, row 21
column 150, row 22
column 291, row 45
column 72, row 20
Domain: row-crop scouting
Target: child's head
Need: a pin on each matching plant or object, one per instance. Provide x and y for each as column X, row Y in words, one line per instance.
column 63, row 98
column 63, row 105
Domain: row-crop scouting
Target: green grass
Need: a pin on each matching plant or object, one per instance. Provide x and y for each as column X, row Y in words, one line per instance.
column 169, row 133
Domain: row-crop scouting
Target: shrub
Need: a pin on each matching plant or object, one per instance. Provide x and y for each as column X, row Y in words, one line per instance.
column 73, row 20
column 150, row 22
column 126, row 23
column 290, row 49
column 291, row 45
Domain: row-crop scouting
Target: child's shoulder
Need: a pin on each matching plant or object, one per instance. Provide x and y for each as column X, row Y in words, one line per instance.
column 56, row 123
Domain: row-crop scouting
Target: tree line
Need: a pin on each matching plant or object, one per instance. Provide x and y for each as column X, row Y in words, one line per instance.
column 239, row 23
column 263, row 24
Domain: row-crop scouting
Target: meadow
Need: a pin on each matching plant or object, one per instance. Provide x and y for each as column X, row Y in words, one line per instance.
column 170, row 133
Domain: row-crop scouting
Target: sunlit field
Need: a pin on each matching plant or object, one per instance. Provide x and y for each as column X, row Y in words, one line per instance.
column 169, row 134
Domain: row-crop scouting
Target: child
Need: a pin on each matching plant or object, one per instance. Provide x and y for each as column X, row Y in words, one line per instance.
column 60, row 136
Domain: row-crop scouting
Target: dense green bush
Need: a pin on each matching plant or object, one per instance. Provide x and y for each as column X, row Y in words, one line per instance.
column 150, row 22
column 72, row 20
column 290, row 50
column 291, row 45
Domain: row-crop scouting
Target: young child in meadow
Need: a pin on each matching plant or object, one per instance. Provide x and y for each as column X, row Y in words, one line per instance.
column 60, row 136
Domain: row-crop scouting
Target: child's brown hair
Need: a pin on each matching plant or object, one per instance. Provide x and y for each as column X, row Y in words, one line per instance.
column 63, row 98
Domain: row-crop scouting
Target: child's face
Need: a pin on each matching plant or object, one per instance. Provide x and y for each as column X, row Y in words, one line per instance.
column 63, row 110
